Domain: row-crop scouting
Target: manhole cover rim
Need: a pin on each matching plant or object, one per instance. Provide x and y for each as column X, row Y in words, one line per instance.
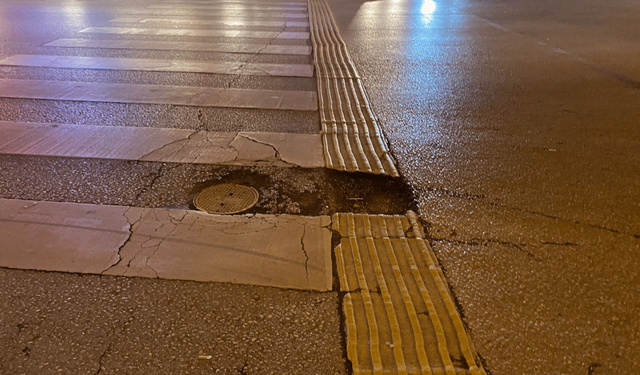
column 211, row 209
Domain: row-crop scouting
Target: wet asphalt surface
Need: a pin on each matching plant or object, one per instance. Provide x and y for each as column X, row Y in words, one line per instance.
column 516, row 123
column 52, row 323
column 309, row 192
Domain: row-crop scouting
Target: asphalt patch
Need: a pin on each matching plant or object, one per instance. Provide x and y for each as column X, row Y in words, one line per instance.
column 298, row 191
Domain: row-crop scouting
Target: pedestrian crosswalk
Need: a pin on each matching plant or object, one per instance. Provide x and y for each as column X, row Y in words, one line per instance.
column 208, row 35
column 266, row 40
column 245, row 44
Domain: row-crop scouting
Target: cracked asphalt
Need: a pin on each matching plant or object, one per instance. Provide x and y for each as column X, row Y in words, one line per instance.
column 516, row 124
column 53, row 323
column 148, row 184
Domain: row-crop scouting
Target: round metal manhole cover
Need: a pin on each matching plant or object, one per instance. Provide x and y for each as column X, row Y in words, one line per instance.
column 226, row 199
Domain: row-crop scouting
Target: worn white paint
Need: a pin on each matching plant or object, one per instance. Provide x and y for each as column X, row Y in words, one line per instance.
column 272, row 49
column 158, row 94
column 198, row 32
column 159, row 65
column 161, row 145
column 282, row 251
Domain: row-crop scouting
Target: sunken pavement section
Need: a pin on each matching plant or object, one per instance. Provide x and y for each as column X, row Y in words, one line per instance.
column 109, row 127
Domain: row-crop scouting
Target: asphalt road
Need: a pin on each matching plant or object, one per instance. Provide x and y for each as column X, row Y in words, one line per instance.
column 53, row 323
column 517, row 125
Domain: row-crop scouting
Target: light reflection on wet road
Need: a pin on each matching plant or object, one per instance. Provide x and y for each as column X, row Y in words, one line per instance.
column 517, row 124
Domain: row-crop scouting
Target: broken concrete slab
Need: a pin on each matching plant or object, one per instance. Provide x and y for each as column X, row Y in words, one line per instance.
column 283, row 251
column 162, row 145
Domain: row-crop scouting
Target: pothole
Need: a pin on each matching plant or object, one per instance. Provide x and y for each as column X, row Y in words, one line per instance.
column 226, row 199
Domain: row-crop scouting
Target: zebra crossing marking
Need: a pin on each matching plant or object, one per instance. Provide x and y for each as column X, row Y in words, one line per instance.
column 198, row 32
column 159, row 94
column 211, row 22
column 271, row 49
column 157, row 65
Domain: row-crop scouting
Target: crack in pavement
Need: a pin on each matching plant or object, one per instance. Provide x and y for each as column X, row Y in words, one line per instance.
column 304, row 250
column 473, row 197
column 595, row 226
column 277, row 154
column 164, row 168
column 108, row 349
column 100, row 367
column 455, row 194
column 126, row 241
column 569, row 244
column 104, row 354
column 485, row 242
column 250, row 59
column 185, row 140
column 626, row 81
column 172, row 220
column 208, row 139
column 201, row 118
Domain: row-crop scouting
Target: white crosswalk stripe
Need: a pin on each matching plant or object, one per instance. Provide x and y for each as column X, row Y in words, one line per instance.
column 211, row 22
column 157, row 65
column 227, row 13
column 242, row 7
column 161, row 145
column 198, row 32
column 191, row 245
column 265, row 49
column 159, row 94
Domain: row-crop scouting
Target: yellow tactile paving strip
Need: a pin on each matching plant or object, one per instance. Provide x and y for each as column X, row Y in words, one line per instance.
column 352, row 139
column 400, row 316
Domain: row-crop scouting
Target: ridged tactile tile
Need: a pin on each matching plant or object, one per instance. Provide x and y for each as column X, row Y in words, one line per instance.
column 400, row 316
column 352, row 138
